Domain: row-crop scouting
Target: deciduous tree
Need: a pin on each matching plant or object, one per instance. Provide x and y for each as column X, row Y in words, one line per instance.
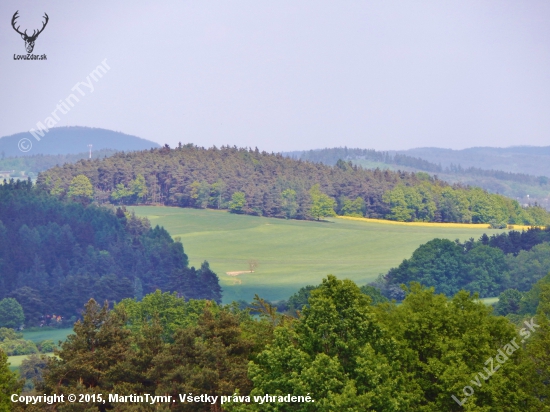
column 322, row 204
column 11, row 313
column 238, row 202
column 81, row 189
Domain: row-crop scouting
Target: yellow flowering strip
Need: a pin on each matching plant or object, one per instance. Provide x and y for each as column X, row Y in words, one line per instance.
column 430, row 224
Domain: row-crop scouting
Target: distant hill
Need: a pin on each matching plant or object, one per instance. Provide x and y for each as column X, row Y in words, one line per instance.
column 30, row 166
column 524, row 187
column 71, row 140
column 530, row 160
column 330, row 156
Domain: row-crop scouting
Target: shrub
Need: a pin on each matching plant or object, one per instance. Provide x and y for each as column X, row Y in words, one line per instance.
column 18, row 347
column 46, row 346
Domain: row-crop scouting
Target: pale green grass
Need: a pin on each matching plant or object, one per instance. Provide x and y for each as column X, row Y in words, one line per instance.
column 292, row 253
column 489, row 301
column 15, row 361
column 55, row 335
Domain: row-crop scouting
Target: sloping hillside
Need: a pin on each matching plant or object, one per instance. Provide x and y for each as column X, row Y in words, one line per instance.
column 530, row 160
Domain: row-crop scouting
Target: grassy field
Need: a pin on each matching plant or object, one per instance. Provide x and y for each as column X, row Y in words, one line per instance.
column 15, row 361
column 292, row 253
column 52, row 334
column 36, row 336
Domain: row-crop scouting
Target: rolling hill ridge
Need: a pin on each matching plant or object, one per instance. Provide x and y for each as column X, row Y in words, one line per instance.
column 71, row 140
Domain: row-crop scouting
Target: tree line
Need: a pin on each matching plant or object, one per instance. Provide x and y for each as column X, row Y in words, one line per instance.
column 56, row 254
column 489, row 266
column 430, row 353
column 258, row 183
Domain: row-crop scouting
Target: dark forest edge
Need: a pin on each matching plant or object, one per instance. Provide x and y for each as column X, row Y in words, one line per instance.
column 56, row 254
column 258, row 183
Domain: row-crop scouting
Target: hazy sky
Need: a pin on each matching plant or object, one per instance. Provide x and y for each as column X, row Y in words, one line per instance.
column 287, row 75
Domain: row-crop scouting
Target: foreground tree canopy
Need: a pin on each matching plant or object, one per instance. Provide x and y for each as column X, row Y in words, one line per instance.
column 258, row 183
column 430, row 353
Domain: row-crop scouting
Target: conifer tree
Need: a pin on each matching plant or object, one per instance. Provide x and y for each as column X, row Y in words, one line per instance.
column 91, row 360
column 209, row 358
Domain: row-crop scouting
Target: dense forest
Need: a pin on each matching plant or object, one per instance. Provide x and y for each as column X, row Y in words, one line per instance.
column 258, row 183
column 488, row 266
column 430, row 353
column 56, row 254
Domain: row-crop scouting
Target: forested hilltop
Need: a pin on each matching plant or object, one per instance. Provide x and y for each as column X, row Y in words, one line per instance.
column 57, row 254
column 258, row 183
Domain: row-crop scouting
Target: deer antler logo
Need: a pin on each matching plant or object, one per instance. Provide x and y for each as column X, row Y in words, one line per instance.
column 29, row 40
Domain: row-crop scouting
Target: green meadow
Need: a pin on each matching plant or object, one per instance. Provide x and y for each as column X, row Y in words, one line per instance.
column 56, row 335
column 15, row 361
column 37, row 335
column 292, row 253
